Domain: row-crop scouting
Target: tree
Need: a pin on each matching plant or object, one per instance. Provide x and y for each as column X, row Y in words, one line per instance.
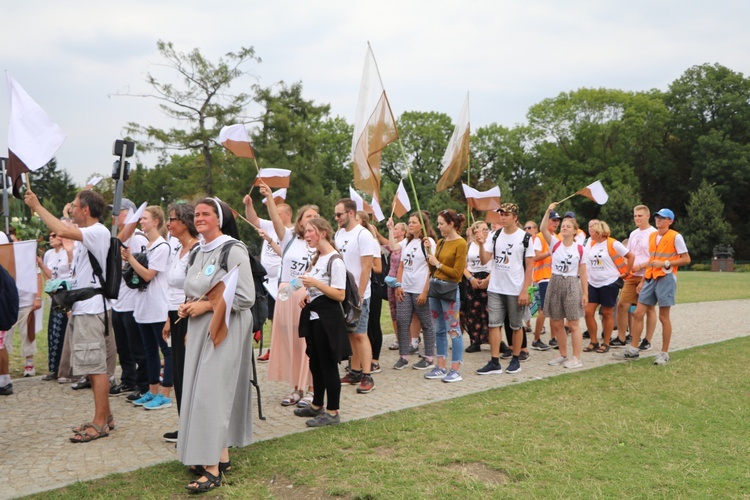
column 55, row 188
column 202, row 104
column 705, row 226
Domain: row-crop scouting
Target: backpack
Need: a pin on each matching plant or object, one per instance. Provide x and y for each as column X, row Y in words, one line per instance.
column 132, row 279
column 111, row 282
column 352, row 304
column 260, row 307
column 526, row 239
column 557, row 245
column 9, row 302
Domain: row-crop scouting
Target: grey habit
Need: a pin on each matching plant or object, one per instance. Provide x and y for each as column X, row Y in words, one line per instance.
column 216, row 407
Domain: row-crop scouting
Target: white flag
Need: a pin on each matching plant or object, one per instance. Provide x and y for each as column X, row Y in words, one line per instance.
column 595, row 192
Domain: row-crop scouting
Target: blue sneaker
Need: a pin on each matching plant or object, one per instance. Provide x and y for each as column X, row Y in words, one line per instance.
column 453, row 376
column 490, row 368
column 158, row 403
column 514, row 366
column 436, row 373
column 144, row 399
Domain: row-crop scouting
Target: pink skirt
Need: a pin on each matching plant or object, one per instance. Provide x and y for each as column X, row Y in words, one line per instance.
column 288, row 361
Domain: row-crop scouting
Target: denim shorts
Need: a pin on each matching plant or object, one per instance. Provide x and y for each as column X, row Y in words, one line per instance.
column 660, row 291
column 362, row 325
column 498, row 305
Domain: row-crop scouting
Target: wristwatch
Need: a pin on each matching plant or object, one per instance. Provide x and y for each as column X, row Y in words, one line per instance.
column 667, row 265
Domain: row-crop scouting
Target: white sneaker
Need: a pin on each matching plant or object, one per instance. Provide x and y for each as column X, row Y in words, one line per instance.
column 29, row 371
column 573, row 363
column 558, row 361
column 662, row 358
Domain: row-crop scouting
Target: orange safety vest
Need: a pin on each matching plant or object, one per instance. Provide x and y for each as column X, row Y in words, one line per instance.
column 542, row 268
column 664, row 251
column 620, row 263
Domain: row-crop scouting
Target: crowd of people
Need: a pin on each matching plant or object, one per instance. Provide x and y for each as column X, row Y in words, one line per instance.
column 477, row 281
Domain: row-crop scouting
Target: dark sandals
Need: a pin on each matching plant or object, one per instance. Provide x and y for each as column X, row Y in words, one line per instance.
column 603, row 348
column 224, row 468
column 209, row 484
column 593, row 346
column 84, row 437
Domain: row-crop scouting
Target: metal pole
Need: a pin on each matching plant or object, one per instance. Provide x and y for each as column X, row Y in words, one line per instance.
column 3, row 161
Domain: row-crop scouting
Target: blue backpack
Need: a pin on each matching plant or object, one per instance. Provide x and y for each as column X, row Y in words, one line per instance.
column 8, row 300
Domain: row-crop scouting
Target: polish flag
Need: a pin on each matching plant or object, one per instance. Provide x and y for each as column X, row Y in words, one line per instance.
column 361, row 203
column 279, row 196
column 482, row 200
column 236, row 140
column 19, row 259
column 376, row 210
column 595, row 192
column 221, row 296
column 401, row 203
column 274, row 177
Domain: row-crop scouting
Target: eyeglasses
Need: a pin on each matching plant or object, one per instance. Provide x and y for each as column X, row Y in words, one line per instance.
column 528, row 228
column 52, row 235
column 338, row 214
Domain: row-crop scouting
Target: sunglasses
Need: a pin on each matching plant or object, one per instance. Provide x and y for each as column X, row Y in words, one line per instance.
column 338, row 214
column 528, row 227
column 52, row 235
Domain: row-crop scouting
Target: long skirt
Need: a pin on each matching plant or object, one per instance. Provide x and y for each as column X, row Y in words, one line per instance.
column 288, row 362
column 474, row 318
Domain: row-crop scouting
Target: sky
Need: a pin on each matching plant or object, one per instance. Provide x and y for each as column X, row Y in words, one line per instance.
column 75, row 57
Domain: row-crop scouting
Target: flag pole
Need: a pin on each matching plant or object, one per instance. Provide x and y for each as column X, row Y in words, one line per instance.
column 5, row 196
column 569, row 197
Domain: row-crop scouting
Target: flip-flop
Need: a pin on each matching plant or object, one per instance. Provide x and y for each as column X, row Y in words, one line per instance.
column 85, row 437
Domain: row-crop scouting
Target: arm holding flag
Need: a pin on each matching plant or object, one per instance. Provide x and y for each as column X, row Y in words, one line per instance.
column 273, row 212
column 51, row 221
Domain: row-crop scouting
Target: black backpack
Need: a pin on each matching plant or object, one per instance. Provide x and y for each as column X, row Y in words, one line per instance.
column 111, row 282
column 352, row 304
column 9, row 302
column 132, row 279
column 526, row 238
column 260, row 308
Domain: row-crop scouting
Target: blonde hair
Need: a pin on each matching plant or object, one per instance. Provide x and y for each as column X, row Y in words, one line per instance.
column 321, row 225
column 600, row 227
column 642, row 208
column 158, row 214
column 299, row 229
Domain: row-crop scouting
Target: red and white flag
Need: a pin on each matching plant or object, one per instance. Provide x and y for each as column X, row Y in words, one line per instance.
column 19, row 259
column 361, row 203
column 236, row 140
column 376, row 210
column 482, row 200
column 279, row 196
column 374, row 128
column 401, row 203
column 456, row 157
column 33, row 138
column 274, row 177
column 221, row 296
column 595, row 192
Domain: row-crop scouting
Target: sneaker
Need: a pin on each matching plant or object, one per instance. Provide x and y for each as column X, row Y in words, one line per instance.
column 50, row 376
column 540, row 346
column 616, row 342
column 29, row 371
column 83, row 383
column 506, row 354
column 367, row 385
column 306, row 400
column 586, row 335
column 573, row 363
column 120, row 389
column 490, row 369
column 629, row 353
column 351, row 379
column 135, row 395
column 393, row 347
column 423, row 364
column 453, row 376
column 553, row 344
column 628, row 338
column 437, row 372
column 308, row 411
column 524, row 356
column 170, row 437
column 413, row 350
column 645, row 345
column 662, row 358
column 144, row 399
column 6, row 390
column 375, row 368
column 514, row 366
column 558, row 361
column 159, row 402
column 473, row 348
column 401, row 364
column 324, row 419
column 265, row 357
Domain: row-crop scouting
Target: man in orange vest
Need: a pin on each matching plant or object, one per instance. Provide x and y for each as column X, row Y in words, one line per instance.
column 541, row 275
column 659, row 285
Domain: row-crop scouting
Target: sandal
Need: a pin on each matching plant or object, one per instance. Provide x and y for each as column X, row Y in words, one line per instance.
column 593, row 346
column 209, row 484
column 84, row 437
column 603, row 348
column 110, row 425
column 306, row 401
column 224, row 468
column 292, row 399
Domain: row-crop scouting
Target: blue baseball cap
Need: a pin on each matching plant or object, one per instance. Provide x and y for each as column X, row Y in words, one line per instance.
column 665, row 213
column 553, row 215
column 571, row 215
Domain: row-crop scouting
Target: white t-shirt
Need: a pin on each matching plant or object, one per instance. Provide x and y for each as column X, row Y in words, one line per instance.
column 176, row 276
column 679, row 243
column 269, row 258
column 473, row 262
column 416, row 270
column 3, row 238
column 96, row 241
column 57, row 262
column 565, row 260
column 507, row 271
column 126, row 299
column 600, row 268
column 638, row 245
column 152, row 304
column 320, row 271
column 296, row 258
column 354, row 245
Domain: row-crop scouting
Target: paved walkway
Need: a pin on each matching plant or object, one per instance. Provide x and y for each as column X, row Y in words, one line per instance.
column 35, row 454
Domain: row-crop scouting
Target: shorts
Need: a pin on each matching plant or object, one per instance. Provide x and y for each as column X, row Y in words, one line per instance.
column 542, row 285
column 498, row 305
column 660, row 291
column 606, row 295
column 363, row 317
column 628, row 295
column 563, row 298
column 88, row 344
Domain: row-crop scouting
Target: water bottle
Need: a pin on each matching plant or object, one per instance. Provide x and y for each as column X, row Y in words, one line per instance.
column 286, row 291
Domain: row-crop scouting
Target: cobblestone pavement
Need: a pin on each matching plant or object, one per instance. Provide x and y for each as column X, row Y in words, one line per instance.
column 35, row 454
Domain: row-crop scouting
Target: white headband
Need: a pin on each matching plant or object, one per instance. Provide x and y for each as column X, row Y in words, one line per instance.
column 220, row 212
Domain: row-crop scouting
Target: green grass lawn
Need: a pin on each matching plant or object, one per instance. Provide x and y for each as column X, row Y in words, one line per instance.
column 628, row 430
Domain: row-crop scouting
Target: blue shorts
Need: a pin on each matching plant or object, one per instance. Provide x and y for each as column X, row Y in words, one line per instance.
column 363, row 317
column 542, row 285
column 660, row 291
column 606, row 296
